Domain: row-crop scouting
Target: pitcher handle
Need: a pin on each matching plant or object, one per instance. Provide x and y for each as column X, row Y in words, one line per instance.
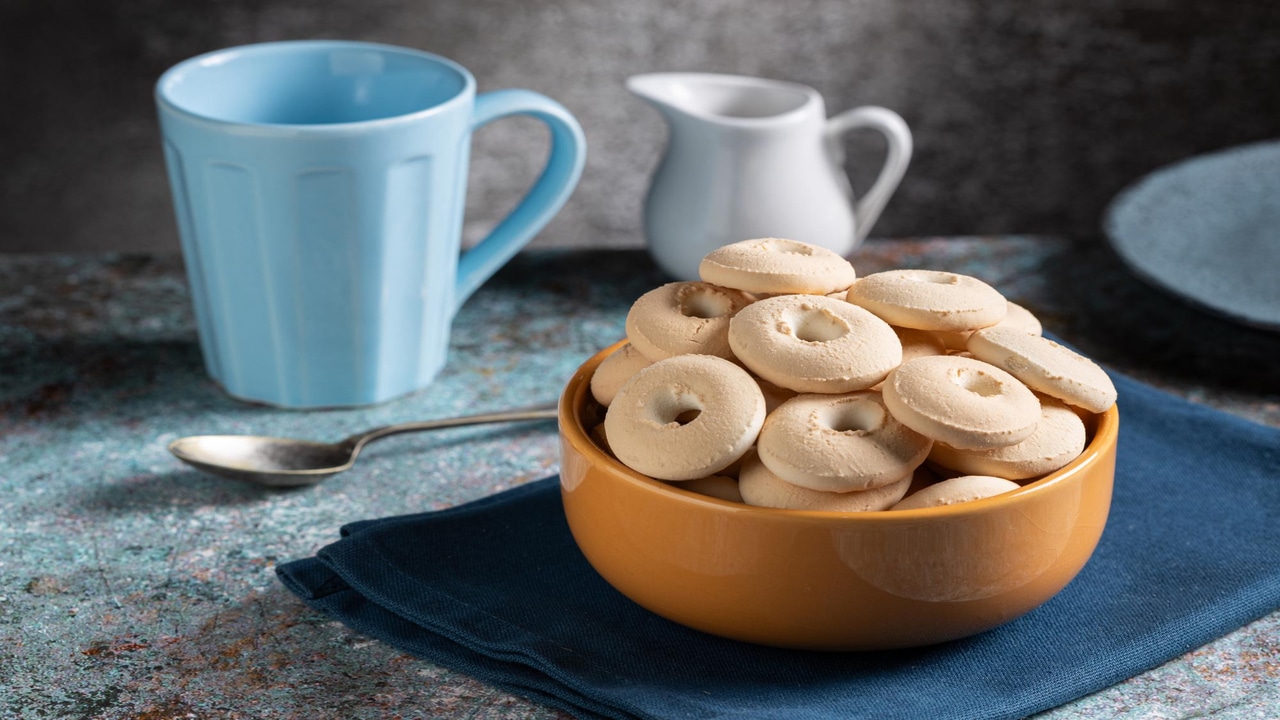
column 547, row 195
column 894, row 128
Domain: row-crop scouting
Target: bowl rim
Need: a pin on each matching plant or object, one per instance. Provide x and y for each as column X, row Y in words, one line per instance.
column 1105, row 435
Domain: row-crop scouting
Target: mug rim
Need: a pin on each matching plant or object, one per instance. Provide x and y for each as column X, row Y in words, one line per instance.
column 170, row 78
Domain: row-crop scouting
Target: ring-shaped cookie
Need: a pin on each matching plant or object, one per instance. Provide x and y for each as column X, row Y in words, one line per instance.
column 839, row 443
column 813, row 343
column 965, row 488
column 929, row 299
column 1046, row 366
column 1015, row 316
column 773, row 395
column 616, row 370
column 1058, row 439
column 716, row 486
column 916, row 343
column 685, row 417
column 684, row 318
column 761, row 487
column 919, row 343
column 962, row 402
column 777, row 265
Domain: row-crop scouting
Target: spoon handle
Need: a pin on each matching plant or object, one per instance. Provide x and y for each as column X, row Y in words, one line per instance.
column 542, row 411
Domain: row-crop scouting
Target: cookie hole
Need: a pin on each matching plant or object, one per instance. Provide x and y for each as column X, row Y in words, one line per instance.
column 820, row 325
column 786, row 247
column 687, row 416
column 677, row 409
column 704, row 303
column 858, row 417
column 934, row 278
column 977, row 382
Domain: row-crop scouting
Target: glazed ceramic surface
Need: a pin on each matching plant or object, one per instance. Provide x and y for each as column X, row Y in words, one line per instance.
column 830, row 581
column 749, row 158
column 319, row 188
column 1208, row 229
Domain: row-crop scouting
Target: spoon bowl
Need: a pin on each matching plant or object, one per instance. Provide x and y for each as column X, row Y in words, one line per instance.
column 287, row 462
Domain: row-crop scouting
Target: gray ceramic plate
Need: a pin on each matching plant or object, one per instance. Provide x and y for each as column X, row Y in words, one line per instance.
column 1208, row 229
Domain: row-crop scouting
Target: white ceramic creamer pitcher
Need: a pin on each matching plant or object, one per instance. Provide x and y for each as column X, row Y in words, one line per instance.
column 749, row 158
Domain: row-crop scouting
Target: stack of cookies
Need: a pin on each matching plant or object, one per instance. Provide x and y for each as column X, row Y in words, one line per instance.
column 783, row 380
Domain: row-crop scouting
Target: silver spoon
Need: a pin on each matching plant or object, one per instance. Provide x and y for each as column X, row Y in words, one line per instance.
column 285, row 462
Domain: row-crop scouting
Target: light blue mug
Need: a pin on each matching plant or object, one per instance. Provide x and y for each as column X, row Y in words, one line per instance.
column 319, row 188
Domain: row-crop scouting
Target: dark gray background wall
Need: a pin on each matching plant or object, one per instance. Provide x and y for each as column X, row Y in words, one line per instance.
column 1028, row 114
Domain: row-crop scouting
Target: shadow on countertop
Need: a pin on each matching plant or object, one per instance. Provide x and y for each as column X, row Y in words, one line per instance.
column 1117, row 318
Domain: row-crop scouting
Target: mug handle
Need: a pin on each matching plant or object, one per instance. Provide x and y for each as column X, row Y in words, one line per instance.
column 895, row 130
column 544, row 199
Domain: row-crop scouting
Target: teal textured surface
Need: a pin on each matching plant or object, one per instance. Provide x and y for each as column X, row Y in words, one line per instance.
column 133, row 586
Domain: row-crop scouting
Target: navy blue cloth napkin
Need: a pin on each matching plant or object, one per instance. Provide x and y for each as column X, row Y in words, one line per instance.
column 497, row 589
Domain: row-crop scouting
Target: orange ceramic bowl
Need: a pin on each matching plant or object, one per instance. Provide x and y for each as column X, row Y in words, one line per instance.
column 822, row 580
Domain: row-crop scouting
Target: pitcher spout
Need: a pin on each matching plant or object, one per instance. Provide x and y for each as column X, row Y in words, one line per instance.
column 727, row 99
column 664, row 91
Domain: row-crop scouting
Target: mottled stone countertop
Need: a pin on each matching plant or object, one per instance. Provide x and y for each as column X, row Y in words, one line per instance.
column 133, row 587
